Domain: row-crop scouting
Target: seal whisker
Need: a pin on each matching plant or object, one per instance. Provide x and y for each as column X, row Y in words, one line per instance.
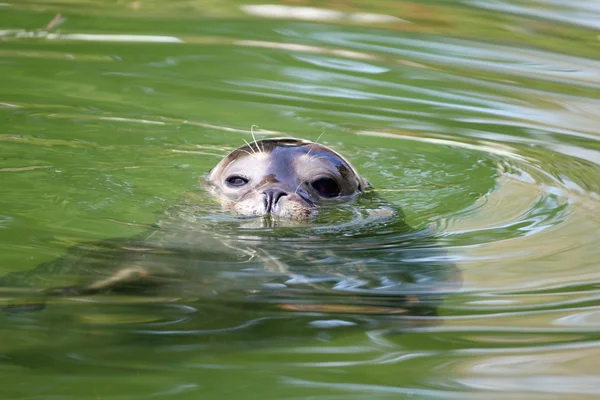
column 251, row 148
column 316, row 141
column 254, row 137
column 322, row 133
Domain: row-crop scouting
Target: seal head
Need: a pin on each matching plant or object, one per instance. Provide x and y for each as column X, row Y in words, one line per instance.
column 283, row 177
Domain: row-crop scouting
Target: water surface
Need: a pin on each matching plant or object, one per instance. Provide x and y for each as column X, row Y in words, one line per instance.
column 478, row 118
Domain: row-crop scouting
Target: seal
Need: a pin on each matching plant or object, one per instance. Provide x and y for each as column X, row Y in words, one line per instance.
column 366, row 261
column 283, row 178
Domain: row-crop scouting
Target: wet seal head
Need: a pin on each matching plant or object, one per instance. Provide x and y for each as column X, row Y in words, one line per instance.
column 283, row 177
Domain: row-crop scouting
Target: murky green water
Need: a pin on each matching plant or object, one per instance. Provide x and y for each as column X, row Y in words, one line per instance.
column 478, row 118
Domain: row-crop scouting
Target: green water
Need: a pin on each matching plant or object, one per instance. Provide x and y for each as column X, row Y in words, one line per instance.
column 478, row 118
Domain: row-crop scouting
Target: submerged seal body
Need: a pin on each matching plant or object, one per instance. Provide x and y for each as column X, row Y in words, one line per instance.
column 369, row 263
column 283, row 178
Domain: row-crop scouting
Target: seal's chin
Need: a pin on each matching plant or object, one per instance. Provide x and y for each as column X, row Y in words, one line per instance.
column 290, row 207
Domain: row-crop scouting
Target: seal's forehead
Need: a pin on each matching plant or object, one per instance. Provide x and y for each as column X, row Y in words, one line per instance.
column 265, row 146
column 268, row 145
column 285, row 149
column 282, row 145
column 258, row 148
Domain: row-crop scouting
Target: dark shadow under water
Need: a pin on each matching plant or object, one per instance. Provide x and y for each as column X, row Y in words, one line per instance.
column 203, row 278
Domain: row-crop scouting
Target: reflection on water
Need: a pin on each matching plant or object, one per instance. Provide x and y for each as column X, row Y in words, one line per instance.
column 477, row 118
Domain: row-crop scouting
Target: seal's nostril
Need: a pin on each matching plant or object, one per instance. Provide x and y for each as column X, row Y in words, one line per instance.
column 272, row 196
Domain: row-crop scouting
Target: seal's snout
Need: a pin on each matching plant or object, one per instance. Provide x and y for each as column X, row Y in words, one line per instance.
column 271, row 198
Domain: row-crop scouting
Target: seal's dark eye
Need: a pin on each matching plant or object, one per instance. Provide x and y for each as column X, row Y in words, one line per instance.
column 326, row 187
column 236, row 181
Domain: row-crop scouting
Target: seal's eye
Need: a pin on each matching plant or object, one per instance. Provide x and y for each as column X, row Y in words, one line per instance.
column 326, row 187
column 236, row 181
